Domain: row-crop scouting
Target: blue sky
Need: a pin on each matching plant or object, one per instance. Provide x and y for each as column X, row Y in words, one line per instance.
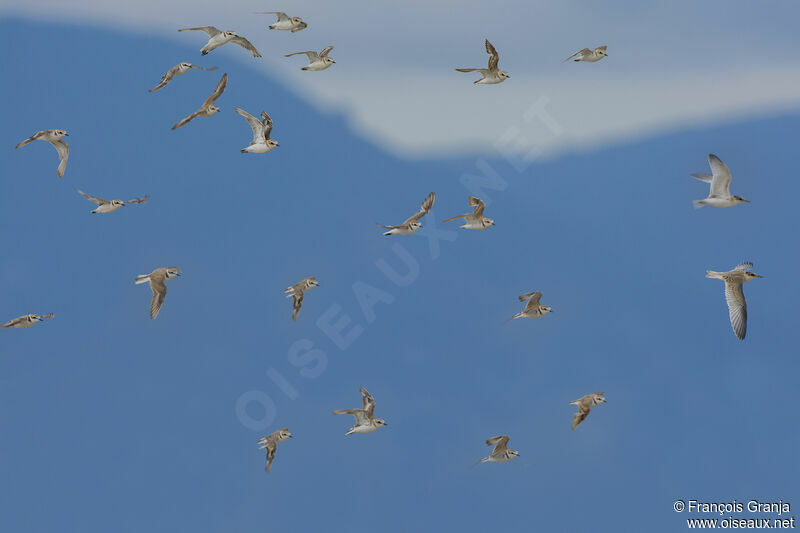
column 111, row 421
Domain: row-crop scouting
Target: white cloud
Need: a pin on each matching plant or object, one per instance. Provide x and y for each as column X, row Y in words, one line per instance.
column 447, row 114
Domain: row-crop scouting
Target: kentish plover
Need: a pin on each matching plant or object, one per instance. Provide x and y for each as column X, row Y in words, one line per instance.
column 365, row 417
column 492, row 74
column 316, row 61
column 293, row 24
column 585, row 405
column 533, row 309
column 26, row 321
column 109, row 206
column 501, row 453
column 158, row 284
column 261, row 143
column 474, row 220
column 590, row 56
column 412, row 223
column 217, row 38
column 178, row 70
column 297, row 291
column 208, row 108
column 270, row 444
column 56, row 138
column 734, row 294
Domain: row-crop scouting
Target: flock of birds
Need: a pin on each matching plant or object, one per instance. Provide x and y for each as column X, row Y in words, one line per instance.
column 365, row 420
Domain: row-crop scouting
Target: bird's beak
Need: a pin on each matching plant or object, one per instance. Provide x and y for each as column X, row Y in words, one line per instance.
column 66, row 135
column 759, row 276
column 748, row 201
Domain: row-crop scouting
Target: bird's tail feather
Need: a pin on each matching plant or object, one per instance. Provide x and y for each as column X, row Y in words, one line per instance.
column 144, row 278
column 698, row 204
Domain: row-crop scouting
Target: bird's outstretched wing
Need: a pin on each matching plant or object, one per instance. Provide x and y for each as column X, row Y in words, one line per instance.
column 477, row 206
column 426, row 206
column 495, row 57
column 159, row 289
column 63, row 155
column 244, row 43
column 533, row 302
column 186, row 120
column 500, row 444
column 141, row 200
column 579, row 417
column 218, row 90
column 281, row 15
column 360, row 416
column 266, row 120
column 579, row 52
column 721, row 180
column 297, row 303
column 31, row 138
column 367, row 403
column 210, row 30
column 255, row 124
column 166, row 78
column 98, row 201
column 737, row 308
column 326, row 51
column 312, row 55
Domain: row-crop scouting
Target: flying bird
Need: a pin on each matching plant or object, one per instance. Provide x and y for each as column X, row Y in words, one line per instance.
column 26, row 321
column 56, row 138
column 178, row 70
column 734, row 294
column 217, row 38
column 720, row 180
column 533, row 309
column 293, row 24
column 589, row 56
column 501, row 453
column 270, row 444
column 109, row 206
column 158, row 284
column 492, row 74
column 412, row 223
column 365, row 417
column 316, row 61
column 585, row 405
column 474, row 220
column 261, row 143
column 208, row 108
column 297, row 292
